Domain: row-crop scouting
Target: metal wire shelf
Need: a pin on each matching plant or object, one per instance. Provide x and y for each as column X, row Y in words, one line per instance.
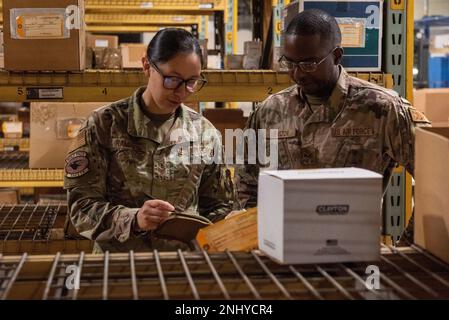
column 13, row 160
column 407, row 273
column 37, row 229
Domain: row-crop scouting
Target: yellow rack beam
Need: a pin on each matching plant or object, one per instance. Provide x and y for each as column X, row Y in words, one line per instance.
column 107, row 85
column 21, row 178
column 156, row 6
column 130, row 29
column 140, row 19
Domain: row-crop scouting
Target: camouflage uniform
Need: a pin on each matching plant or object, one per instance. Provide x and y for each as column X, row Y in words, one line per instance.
column 361, row 125
column 119, row 160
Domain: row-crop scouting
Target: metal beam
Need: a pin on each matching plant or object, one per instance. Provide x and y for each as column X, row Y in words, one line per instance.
column 107, row 85
column 140, row 19
column 131, row 29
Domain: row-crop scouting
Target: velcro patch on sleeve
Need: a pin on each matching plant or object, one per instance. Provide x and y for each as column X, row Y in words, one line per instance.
column 417, row 116
column 77, row 165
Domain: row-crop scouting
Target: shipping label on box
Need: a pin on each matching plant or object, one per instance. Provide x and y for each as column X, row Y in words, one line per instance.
column 101, row 41
column 320, row 215
column 361, row 25
column 39, row 23
column 43, row 35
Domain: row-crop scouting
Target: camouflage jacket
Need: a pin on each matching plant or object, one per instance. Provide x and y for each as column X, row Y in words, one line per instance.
column 360, row 125
column 119, row 160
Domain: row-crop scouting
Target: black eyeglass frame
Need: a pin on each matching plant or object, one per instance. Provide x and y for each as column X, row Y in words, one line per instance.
column 202, row 81
column 311, row 66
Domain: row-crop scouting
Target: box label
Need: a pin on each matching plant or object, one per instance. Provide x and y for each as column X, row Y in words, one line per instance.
column 352, row 32
column 39, row 23
column 101, row 43
column 44, row 93
column 146, row 5
column 206, row 6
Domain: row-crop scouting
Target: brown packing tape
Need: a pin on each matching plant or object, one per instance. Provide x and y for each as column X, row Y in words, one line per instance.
column 238, row 233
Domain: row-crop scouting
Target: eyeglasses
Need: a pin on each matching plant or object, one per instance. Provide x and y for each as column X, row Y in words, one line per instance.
column 304, row 66
column 173, row 83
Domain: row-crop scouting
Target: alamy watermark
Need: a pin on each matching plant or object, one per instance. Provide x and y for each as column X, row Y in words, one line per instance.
column 372, row 281
column 72, row 282
column 251, row 147
column 73, row 17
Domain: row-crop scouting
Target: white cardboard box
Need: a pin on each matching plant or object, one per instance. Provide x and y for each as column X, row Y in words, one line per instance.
column 320, row 215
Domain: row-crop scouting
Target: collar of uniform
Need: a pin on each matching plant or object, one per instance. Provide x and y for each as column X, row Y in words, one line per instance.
column 139, row 124
column 336, row 100
column 137, row 121
column 334, row 104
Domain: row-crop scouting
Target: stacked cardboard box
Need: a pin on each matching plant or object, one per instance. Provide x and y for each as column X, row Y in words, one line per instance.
column 37, row 36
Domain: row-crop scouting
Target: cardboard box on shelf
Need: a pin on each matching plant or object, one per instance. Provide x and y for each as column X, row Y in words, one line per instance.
column 214, row 62
column 37, row 38
column 431, row 230
column 132, row 54
column 9, row 196
column 251, row 62
column 320, row 215
column 101, row 41
column 234, row 61
column 252, row 48
column 7, row 118
column 12, row 129
column 434, row 103
column 53, row 126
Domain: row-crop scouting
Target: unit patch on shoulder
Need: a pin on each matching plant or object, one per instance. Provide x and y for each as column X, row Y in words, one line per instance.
column 417, row 116
column 77, row 164
column 79, row 141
